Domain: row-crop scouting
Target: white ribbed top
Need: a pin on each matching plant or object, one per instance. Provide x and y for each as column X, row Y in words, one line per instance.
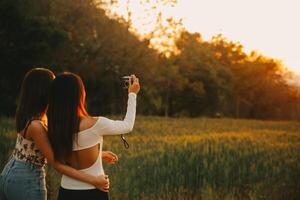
column 93, row 136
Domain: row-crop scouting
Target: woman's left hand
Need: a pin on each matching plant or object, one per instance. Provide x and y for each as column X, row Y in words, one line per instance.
column 101, row 182
column 109, row 157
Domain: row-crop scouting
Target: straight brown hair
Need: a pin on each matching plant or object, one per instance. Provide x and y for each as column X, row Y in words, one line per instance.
column 33, row 98
column 66, row 108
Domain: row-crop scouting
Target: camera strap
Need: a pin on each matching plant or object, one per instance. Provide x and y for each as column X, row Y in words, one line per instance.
column 126, row 145
column 117, row 79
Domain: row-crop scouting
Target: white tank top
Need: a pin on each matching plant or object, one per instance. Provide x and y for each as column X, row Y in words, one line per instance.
column 93, row 136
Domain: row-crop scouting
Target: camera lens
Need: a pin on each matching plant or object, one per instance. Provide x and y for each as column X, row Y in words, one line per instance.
column 126, row 80
column 126, row 83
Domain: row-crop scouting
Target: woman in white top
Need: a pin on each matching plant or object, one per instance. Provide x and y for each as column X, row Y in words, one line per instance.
column 77, row 138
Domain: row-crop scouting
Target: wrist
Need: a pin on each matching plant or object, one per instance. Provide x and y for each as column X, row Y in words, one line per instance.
column 93, row 180
column 132, row 94
column 129, row 91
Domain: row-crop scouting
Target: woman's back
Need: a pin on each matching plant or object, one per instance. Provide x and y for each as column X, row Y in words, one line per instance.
column 23, row 177
column 82, row 159
column 88, row 142
column 25, row 148
column 77, row 138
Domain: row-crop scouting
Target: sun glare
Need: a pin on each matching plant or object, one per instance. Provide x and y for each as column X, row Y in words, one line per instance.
column 269, row 27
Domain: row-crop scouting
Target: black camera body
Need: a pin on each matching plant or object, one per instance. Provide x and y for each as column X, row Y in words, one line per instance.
column 126, row 81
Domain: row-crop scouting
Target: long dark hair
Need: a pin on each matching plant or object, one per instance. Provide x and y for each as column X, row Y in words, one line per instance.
column 66, row 108
column 33, row 99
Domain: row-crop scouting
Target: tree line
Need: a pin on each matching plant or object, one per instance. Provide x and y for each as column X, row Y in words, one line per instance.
column 200, row 78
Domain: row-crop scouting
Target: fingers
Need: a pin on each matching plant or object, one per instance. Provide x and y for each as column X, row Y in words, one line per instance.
column 103, row 185
column 134, row 85
column 104, row 189
column 106, row 179
column 134, row 78
column 116, row 158
column 106, row 186
column 112, row 154
column 112, row 157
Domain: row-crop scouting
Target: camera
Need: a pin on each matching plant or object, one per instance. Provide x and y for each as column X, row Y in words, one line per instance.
column 126, row 81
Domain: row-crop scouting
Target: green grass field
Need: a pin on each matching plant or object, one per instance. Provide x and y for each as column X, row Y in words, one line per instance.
column 201, row 158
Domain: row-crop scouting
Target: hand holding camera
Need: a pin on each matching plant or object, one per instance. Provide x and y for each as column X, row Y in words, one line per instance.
column 132, row 83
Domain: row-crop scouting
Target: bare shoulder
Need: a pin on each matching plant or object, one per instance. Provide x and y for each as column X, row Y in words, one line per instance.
column 35, row 127
column 87, row 122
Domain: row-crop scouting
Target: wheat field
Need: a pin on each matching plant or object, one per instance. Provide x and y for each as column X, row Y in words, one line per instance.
column 196, row 158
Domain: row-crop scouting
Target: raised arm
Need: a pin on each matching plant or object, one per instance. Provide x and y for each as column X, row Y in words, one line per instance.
column 39, row 135
column 107, row 126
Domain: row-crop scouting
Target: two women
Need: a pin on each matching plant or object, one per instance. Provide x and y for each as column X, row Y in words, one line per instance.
column 24, row 175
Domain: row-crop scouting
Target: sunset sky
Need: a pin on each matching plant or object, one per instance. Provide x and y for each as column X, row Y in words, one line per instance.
column 269, row 26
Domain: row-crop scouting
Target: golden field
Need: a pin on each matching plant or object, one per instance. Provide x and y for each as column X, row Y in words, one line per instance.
column 196, row 158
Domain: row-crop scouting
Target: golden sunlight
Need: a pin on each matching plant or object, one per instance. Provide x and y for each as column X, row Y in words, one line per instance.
column 269, row 27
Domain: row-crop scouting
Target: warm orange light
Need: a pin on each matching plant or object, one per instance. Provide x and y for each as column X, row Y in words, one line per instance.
column 269, row 27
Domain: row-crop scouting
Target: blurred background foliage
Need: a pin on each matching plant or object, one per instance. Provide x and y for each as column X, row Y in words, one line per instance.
column 181, row 74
